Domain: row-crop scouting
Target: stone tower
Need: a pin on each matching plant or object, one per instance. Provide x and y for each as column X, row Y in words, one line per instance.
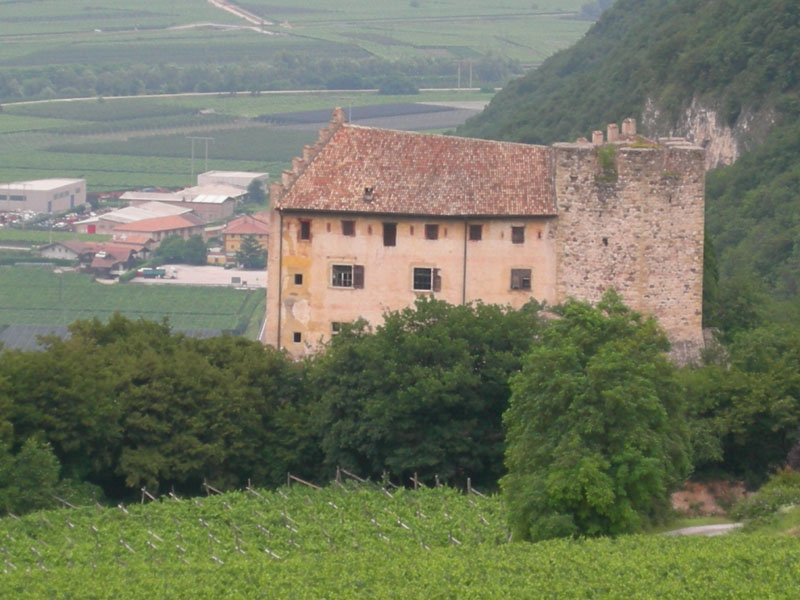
column 631, row 216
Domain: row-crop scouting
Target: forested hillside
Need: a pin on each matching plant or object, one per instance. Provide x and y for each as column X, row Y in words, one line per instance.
column 724, row 73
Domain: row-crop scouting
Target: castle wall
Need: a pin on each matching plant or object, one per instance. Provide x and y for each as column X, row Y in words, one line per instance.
column 634, row 221
column 466, row 269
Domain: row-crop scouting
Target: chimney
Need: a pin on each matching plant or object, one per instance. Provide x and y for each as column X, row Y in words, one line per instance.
column 613, row 132
column 629, row 127
column 597, row 138
column 338, row 117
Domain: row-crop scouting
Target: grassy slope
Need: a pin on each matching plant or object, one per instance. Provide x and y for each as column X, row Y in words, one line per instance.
column 299, row 543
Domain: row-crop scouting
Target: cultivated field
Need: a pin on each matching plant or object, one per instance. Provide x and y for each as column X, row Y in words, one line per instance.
column 356, row 541
column 119, row 144
column 33, row 295
column 72, row 32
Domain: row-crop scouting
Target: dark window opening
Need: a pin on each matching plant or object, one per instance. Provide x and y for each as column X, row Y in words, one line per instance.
column 605, row 241
column 298, row 279
column 298, row 337
column 342, row 275
column 427, row 280
column 518, row 235
column 431, row 232
column 348, row 227
column 347, row 276
column 520, row 279
column 336, row 327
column 305, row 230
column 475, row 232
column 390, row 234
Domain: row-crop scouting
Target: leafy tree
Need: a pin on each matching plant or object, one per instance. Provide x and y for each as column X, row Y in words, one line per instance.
column 194, row 251
column 28, row 479
column 424, row 393
column 174, row 249
column 255, row 192
column 128, row 403
column 596, row 436
column 746, row 413
column 251, row 255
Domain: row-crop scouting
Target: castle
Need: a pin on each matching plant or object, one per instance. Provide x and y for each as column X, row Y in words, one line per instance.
column 368, row 219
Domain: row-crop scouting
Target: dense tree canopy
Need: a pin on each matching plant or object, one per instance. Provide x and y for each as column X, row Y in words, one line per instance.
column 596, row 426
column 127, row 403
column 424, row 393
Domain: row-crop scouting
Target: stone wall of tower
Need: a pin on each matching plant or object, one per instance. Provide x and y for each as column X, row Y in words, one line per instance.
column 630, row 216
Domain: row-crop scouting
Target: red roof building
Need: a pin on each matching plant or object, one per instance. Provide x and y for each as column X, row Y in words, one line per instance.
column 369, row 219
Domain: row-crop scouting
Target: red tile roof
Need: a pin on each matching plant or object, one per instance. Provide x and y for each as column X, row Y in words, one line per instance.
column 414, row 173
column 162, row 224
column 246, row 225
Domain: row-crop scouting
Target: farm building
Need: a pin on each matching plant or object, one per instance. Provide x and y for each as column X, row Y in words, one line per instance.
column 184, row 225
column 100, row 257
column 42, row 195
column 370, row 219
column 106, row 222
column 240, row 179
column 235, row 231
column 210, row 202
column 68, row 250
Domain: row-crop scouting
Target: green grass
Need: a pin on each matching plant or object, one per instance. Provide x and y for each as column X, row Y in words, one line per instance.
column 36, row 296
column 240, row 144
column 357, row 542
column 84, row 16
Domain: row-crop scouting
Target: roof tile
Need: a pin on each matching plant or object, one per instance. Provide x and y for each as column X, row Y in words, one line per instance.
column 413, row 173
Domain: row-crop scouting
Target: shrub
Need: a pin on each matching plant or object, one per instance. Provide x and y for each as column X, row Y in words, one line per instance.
column 782, row 490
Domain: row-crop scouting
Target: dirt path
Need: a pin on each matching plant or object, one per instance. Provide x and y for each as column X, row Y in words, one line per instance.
column 706, row 530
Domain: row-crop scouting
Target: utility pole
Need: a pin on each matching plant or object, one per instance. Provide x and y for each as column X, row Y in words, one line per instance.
column 206, row 139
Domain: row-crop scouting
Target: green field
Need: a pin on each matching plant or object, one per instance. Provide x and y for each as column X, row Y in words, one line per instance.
column 357, row 542
column 68, row 32
column 120, row 143
column 37, row 296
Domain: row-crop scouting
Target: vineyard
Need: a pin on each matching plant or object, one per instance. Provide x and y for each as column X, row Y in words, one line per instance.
column 35, row 296
column 357, row 540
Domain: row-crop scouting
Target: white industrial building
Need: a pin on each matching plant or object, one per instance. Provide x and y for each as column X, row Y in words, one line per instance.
column 42, row 195
column 240, row 179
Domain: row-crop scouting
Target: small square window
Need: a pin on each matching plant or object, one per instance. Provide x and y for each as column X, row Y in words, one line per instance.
column 518, row 235
column 348, row 227
column 431, row 232
column 305, row 230
column 475, row 232
column 390, row 234
column 336, row 327
column 298, row 279
column 297, row 337
column 520, row 279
